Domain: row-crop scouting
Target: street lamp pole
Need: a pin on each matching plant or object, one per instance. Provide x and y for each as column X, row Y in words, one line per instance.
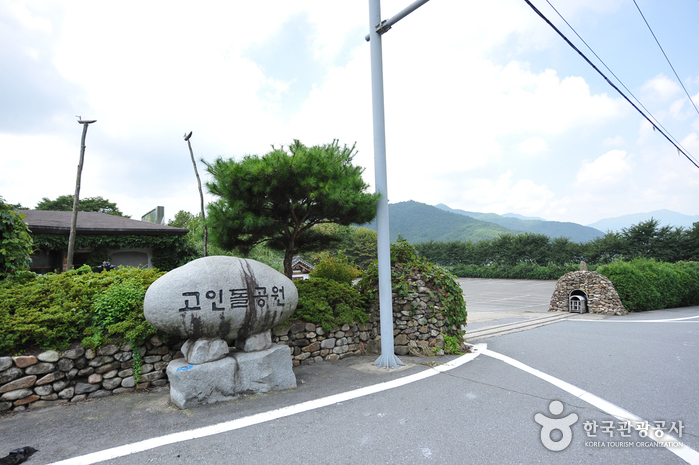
column 377, row 27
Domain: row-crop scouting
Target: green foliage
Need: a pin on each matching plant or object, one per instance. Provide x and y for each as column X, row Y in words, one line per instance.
column 534, row 256
column 329, row 303
column 54, row 310
column 452, row 345
column 520, row 271
column 336, row 268
column 405, row 261
column 15, row 241
column 115, row 304
column 646, row 284
column 194, row 240
column 89, row 204
column 277, row 199
column 356, row 243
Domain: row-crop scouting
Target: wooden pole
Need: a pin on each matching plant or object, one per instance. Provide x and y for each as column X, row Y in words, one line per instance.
column 76, row 197
column 201, row 193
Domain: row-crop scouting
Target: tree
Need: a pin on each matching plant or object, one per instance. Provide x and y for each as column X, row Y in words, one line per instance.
column 15, row 241
column 278, row 198
column 64, row 203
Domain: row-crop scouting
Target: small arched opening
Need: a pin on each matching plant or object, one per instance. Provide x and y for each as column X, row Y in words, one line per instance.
column 577, row 301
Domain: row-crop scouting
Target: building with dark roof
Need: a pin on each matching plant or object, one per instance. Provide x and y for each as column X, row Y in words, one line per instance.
column 57, row 223
column 301, row 269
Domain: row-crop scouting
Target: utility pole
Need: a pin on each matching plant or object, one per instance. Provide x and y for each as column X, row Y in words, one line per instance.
column 201, row 193
column 377, row 27
column 76, row 197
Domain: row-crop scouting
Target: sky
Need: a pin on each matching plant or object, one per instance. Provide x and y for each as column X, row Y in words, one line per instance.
column 487, row 108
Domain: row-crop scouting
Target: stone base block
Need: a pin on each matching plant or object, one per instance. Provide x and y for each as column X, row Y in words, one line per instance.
column 222, row 380
column 210, row 382
column 265, row 370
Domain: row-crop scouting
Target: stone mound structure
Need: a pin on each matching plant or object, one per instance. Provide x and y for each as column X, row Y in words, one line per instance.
column 597, row 289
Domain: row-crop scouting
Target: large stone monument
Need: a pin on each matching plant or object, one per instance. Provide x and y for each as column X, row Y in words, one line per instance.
column 213, row 302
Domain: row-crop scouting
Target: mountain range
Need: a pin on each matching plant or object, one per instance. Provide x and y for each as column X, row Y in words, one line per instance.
column 419, row 222
column 665, row 217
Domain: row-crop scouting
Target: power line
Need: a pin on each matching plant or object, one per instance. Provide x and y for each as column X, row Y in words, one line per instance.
column 665, row 55
column 610, row 82
column 656, row 121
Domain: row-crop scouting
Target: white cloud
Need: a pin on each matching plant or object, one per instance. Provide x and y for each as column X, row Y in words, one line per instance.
column 661, row 87
column 614, row 141
column 533, row 146
column 609, row 169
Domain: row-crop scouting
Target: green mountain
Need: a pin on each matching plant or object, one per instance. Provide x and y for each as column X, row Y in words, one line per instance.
column 553, row 229
column 419, row 222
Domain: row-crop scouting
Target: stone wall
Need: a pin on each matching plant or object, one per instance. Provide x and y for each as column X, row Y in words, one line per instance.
column 418, row 325
column 73, row 375
column 601, row 295
column 52, row 377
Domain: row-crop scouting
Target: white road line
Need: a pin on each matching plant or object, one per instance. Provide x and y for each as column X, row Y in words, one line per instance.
column 263, row 417
column 667, row 320
column 687, row 454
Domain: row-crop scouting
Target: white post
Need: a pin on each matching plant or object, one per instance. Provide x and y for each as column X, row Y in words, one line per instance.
column 388, row 358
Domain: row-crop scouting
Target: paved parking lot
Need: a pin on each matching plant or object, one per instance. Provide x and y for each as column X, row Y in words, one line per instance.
column 500, row 301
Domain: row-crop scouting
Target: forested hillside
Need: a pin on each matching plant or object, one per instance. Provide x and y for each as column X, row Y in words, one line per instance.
column 418, row 222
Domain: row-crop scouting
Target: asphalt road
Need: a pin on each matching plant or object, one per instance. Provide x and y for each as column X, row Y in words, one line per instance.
column 482, row 411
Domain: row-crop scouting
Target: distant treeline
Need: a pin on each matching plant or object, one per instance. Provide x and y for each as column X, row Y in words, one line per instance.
column 540, row 257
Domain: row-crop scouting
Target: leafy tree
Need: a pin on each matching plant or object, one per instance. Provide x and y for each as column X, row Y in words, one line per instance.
column 15, row 240
column 357, row 244
column 277, row 199
column 690, row 243
column 64, row 203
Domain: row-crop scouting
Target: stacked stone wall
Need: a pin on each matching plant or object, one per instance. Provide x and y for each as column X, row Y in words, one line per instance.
column 601, row 295
column 51, row 377
column 418, row 327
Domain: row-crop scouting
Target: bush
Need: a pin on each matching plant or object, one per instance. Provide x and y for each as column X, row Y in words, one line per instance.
column 54, row 310
column 519, row 271
column 15, row 241
column 336, row 268
column 645, row 284
column 329, row 303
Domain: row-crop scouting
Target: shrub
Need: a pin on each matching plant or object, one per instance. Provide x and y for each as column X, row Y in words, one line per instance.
column 336, row 268
column 15, row 241
column 54, row 310
column 329, row 303
column 646, row 284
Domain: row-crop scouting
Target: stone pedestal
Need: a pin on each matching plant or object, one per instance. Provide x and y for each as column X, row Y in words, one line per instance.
column 224, row 379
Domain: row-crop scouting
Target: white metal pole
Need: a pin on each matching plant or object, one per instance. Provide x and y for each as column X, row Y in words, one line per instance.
column 388, row 358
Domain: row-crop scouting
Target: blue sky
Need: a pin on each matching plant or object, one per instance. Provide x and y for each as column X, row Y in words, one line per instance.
column 486, row 108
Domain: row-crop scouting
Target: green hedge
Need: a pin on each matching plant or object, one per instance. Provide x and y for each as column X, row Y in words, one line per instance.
column 646, row 284
column 54, row 310
column 519, row 271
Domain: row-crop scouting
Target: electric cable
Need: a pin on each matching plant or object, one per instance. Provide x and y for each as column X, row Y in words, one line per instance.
column 665, row 55
column 655, row 127
column 656, row 121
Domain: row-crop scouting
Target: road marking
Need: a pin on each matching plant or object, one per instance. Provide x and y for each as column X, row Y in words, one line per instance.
column 263, row 417
column 687, row 454
column 667, row 320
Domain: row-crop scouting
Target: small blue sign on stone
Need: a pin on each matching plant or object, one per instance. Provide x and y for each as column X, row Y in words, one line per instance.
column 185, row 368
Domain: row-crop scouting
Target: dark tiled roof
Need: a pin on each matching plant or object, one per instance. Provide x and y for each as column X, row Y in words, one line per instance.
column 296, row 260
column 53, row 222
